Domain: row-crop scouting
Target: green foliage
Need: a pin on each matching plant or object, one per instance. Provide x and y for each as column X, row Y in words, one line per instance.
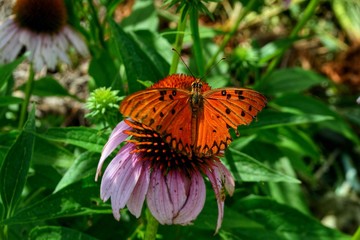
column 47, row 185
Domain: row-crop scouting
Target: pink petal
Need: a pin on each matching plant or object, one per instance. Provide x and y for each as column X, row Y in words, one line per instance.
column 137, row 197
column 127, row 177
column 158, row 199
column 195, row 201
column 110, row 174
column 226, row 178
column 76, row 40
column 117, row 136
column 217, row 184
column 178, row 186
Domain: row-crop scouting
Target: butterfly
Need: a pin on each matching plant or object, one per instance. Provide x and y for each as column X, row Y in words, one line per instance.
column 190, row 116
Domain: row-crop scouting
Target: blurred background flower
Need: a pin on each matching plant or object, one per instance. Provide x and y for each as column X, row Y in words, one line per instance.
column 40, row 27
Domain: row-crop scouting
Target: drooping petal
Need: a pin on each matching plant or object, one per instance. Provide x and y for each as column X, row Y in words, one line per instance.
column 7, row 35
column 226, row 178
column 109, row 179
column 178, row 185
column 117, row 136
column 195, row 201
column 158, row 199
column 214, row 176
column 137, row 197
column 128, row 176
column 76, row 40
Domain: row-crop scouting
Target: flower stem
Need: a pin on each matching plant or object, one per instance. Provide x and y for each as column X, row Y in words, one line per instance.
column 151, row 226
column 4, row 232
column 28, row 91
column 178, row 41
column 194, row 26
column 309, row 11
column 233, row 30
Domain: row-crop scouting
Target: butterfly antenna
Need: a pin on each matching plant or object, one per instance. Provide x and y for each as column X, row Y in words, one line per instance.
column 212, row 67
column 183, row 62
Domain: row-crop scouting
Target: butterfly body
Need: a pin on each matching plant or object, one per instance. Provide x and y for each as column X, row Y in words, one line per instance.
column 190, row 116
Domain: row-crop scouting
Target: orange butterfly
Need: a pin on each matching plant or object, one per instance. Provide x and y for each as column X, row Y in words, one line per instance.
column 190, row 116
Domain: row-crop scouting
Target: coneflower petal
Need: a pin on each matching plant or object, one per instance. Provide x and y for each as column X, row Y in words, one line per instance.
column 137, row 198
column 117, row 136
column 195, row 201
column 158, row 199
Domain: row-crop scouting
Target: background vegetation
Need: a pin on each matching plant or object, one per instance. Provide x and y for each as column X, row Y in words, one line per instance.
column 296, row 167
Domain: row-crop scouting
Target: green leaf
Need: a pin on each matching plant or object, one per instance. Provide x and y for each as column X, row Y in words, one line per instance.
column 15, row 167
column 87, row 138
column 290, row 80
column 48, row 86
column 296, row 103
column 251, row 170
column 285, row 221
column 138, row 65
column 8, row 100
column 74, row 200
column 103, row 70
column 7, row 69
column 271, row 119
column 57, row 233
column 50, row 153
column 143, row 16
column 153, row 46
column 287, row 193
column 274, row 48
column 84, row 165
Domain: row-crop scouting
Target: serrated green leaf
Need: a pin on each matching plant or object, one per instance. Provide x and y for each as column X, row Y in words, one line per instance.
column 15, row 167
column 57, row 233
column 74, row 200
column 290, row 80
column 87, row 138
column 251, row 170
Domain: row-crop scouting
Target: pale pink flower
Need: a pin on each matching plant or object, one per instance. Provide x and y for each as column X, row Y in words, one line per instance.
column 39, row 27
column 173, row 184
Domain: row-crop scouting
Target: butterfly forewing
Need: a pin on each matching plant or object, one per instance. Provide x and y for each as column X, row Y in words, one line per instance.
column 223, row 109
column 165, row 110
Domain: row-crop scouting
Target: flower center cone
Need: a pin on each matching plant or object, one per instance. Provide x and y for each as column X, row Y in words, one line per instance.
column 41, row 16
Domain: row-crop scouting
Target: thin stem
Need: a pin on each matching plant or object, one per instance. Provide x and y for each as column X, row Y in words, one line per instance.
column 194, row 26
column 4, row 232
column 246, row 10
column 178, row 41
column 28, row 91
column 151, row 226
column 309, row 11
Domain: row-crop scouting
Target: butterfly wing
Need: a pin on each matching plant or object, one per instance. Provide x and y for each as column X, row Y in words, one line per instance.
column 225, row 108
column 165, row 110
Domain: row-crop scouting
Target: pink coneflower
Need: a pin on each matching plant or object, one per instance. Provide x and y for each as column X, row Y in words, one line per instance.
column 39, row 26
column 172, row 183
